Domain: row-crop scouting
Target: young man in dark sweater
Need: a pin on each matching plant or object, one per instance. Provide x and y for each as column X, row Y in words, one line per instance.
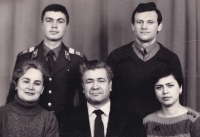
column 134, row 63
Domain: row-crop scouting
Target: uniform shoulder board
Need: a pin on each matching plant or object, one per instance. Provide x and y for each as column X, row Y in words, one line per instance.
column 27, row 50
column 72, row 51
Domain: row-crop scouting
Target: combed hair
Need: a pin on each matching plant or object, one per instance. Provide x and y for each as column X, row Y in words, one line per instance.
column 144, row 7
column 165, row 71
column 56, row 8
column 96, row 64
column 26, row 65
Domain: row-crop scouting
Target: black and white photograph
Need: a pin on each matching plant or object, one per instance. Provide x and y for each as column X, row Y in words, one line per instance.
column 99, row 68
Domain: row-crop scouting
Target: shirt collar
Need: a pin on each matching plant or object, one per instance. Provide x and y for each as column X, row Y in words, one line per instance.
column 47, row 49
column 140, row 48
column 105, row 108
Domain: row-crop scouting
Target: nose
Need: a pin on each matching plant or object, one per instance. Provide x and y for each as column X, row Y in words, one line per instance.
column 30, row 86
column 144, row 25
column 165, row 91
column 95, row 86
column 54, row 24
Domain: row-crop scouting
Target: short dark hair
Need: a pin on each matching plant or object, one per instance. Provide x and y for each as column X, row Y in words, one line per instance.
column 56, row 8
column 96, row 64
column 26, row 65
column 144, row 7
column 165, row 71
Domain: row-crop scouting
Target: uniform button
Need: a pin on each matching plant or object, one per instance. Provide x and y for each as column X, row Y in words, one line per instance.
column 50, row 79
column 50, row 91
column 67, row 69
column 49, row 104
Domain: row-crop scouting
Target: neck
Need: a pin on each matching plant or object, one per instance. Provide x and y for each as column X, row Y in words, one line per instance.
column 145, row 44
column 52, row 44
column 172, row 111
column 98, row 105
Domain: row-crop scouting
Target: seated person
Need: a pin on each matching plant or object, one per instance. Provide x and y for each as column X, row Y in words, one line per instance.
column 23, row 117
column 100, row 117
column 173, row 119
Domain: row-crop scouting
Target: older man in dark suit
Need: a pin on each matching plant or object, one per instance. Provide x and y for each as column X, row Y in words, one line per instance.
column 100, row 117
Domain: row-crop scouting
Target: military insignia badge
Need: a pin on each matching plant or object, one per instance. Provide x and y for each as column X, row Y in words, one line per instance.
column 71, row 50
column 67, row 55
column 78, row 53
column 34, row 53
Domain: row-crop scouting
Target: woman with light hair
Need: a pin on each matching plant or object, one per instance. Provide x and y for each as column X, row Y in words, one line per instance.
column 23, row 117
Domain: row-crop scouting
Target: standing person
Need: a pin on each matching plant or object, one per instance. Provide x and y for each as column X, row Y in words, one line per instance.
column 100, row 117
column 61, row 61
column 173, row 119
column 134, row 63
column 23, row 117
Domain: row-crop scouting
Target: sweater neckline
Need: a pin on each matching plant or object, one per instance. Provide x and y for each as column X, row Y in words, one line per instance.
column 133, row 54
column 25, row 108
column 171, row 120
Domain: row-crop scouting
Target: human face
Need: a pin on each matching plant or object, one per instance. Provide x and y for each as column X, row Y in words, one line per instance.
column 146, row 27
column 54, row 25
column 96, row 86
column 30, row 85
column 167, row 91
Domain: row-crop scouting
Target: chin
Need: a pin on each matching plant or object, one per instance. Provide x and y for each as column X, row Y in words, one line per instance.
column 167, row 104
column 30, row 99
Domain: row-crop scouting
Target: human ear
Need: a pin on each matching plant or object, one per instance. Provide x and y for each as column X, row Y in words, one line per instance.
column 159, row 27
column 133, row 27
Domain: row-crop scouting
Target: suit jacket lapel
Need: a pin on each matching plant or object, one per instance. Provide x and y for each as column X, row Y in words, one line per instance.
column 116, row 122
column 61, row 61
column 83, row 125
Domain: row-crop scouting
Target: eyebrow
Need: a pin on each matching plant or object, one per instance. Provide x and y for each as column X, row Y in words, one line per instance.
column 164, row 84
column 30, row 79
column 55, row 19
column 26, row 78
column 93, row 79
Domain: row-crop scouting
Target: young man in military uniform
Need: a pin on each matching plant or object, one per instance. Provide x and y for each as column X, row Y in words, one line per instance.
column 134, row 63
column 61, row 61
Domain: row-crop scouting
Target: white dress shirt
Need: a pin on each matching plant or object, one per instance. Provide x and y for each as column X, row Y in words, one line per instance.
column 104, row 117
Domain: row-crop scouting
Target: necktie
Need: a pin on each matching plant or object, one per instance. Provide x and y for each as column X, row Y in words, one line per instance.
column 98, row 126
column 50, row 61
column 145, row 51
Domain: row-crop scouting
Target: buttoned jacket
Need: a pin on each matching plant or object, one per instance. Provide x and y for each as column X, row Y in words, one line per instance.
column 64, row 80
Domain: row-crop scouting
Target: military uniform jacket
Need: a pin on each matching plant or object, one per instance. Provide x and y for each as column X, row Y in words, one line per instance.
column 60, row 89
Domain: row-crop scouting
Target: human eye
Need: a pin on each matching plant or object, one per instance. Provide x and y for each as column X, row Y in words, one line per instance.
column 61, row 21
column 48, row 20
column 38, row 83
column 101, row 80
column 26, row 81
column 158, row 87
column 138, row 22
column 150, row 22
column 89, row 81
column 170, row 85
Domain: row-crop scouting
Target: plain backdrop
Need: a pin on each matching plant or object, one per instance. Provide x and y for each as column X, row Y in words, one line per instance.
column 96, row 27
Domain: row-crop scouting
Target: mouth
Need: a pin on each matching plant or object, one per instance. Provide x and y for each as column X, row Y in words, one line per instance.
column 95, row 94
column 54, row 32
column 29, row 93
column 166, row 98
column 144, row 33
